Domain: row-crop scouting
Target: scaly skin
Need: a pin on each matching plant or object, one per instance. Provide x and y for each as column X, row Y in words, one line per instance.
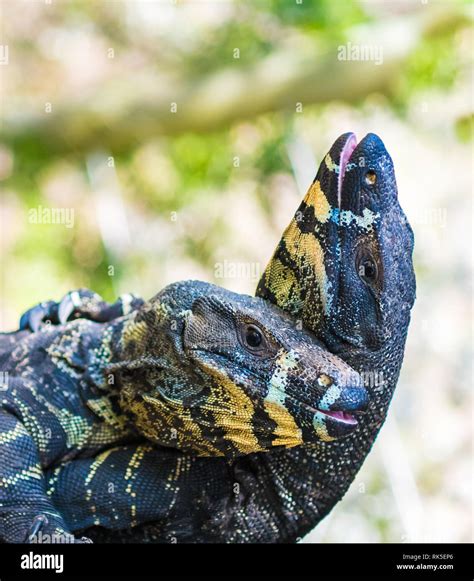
column 197, row 368
column 344, row 268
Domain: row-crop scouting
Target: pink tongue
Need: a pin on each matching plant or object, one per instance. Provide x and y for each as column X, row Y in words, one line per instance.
column 346, row 153
column 345, row 417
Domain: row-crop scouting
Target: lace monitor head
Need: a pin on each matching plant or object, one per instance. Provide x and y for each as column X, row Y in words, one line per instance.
column 212, row 372
column 343, row 265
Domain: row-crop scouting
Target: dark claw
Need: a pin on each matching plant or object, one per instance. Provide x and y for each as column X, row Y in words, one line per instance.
column 82, row 303
column 38, row 522
column 56, row 313
column 36, row 318
column 33, row 317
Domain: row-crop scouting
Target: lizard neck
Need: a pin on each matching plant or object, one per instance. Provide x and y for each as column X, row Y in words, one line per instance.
column 134, row 360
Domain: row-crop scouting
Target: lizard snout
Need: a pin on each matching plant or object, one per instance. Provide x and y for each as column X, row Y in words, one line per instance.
column 345, row 399
column 337, row 410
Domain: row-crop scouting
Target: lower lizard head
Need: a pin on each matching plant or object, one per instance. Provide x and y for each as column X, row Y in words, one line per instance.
column 244, row 378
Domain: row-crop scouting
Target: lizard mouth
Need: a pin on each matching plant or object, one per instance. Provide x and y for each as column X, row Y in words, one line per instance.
column 349, row 146
column 337, row 423
column 332, row 425
column 342, row 417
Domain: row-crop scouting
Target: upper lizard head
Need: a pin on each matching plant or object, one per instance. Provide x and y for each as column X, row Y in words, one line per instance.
column 344, row 264
column 375, row 286
column 231, row 374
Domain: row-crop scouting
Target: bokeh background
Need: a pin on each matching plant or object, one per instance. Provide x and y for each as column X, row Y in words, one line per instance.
column 175, row 140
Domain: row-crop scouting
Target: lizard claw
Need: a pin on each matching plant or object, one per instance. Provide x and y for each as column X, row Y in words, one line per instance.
column 33, row 317
column 82, row 303
column 38, row 523
column 68, row 305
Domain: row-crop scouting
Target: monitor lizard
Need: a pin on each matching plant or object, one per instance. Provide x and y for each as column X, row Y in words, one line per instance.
column 344, row 266
column 197, row 368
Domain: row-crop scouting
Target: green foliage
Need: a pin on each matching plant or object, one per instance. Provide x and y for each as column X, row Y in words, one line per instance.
column 171, row 173
column 465, row 128
column 326, row 17
column 432, row 64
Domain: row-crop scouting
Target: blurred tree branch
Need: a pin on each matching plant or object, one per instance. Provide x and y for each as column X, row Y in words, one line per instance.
column 125, row 111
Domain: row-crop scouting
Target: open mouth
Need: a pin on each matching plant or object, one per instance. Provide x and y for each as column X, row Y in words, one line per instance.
column 346, row 153
column 352, row 402
column 342, row 417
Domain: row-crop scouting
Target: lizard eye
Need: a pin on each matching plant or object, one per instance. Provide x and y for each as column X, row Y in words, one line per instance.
column 370, row 177
column 367, row 270
column 253, row 337
column 254, row 340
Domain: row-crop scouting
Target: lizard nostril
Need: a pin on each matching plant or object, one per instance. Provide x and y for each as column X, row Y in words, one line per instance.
column 325, row 381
